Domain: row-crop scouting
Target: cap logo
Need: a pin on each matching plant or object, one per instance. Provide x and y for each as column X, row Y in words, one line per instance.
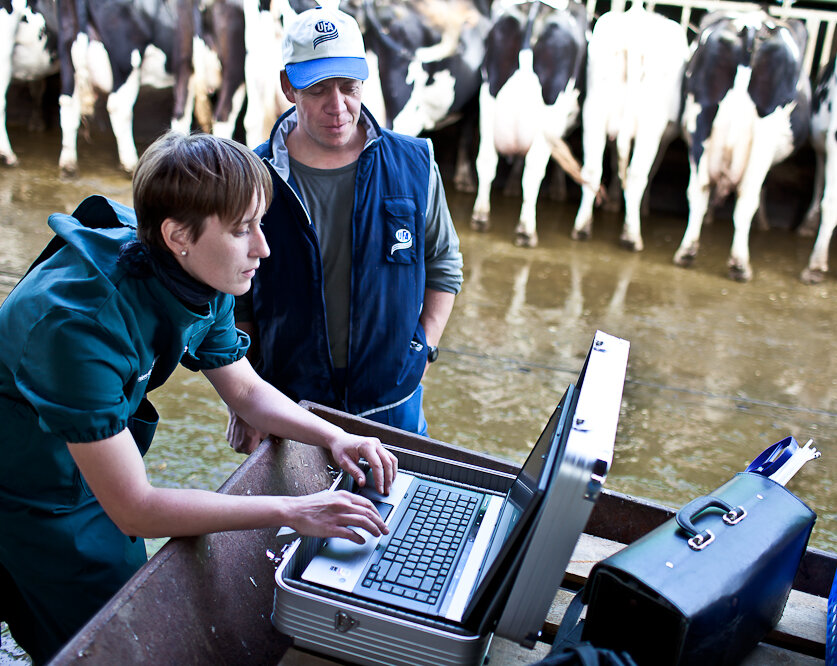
column 327, row 32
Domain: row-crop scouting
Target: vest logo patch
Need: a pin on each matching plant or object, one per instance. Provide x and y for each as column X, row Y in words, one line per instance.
column 405, row 241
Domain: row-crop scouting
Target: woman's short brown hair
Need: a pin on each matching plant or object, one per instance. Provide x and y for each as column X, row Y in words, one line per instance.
column 192, row 177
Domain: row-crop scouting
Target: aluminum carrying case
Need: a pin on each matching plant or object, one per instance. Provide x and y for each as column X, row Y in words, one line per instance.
column 360, row 631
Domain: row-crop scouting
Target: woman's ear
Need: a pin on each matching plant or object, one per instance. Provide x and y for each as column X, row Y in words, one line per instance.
column 175, row 236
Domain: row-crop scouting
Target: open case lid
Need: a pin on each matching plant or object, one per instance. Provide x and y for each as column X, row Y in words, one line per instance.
column 578, row 476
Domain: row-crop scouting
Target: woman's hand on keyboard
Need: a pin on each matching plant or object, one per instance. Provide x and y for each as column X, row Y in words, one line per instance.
column 334, row 514
column 348, row 451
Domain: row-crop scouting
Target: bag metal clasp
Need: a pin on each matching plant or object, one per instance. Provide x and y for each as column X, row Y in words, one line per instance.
column 735, row 516
column 701, row 541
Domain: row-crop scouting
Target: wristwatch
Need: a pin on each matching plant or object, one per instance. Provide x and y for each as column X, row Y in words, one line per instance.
column 432, row 353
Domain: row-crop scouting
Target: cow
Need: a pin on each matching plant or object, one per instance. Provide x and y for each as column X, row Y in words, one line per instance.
column 635, row 64
column 424, row 61
column 427, row 57
column 113, row 47
column 529, row 99
column 263, row 32
column 747, row 107
column 210, row 56
column 823, row 210
column 28, row 52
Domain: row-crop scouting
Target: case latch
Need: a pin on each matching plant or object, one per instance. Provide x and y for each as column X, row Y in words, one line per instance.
column 343, row 622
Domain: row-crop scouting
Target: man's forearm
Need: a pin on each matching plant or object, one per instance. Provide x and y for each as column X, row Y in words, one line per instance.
column 435, row 314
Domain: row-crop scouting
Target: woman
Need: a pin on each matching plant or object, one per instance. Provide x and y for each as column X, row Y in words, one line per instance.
column 103, row 317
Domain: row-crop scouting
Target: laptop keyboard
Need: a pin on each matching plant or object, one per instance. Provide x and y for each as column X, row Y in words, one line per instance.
column 421, row 552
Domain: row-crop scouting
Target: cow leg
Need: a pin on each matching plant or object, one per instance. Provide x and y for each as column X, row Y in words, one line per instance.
column 613, row 199
column 812, row 217
column 697, row 194
column 69, row 114
column 818, row 261
column 8, row 27
column 463, row 179
column 765, row 152
column 120, row 106
column 645, row 150
column 534, row 169
column 817, row 267
column 184, row 106
column 486, row 162
column 746, row 206
column 226, row 128
column 37, row 89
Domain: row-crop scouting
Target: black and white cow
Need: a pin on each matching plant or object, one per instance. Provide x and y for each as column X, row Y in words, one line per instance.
column 113, row 47
column 210, row 56
column 425, row 58
column 264, row 28
column 635, row 63
column 28, row 52
column 529, row 99
column 747, row 107
column 823, row 210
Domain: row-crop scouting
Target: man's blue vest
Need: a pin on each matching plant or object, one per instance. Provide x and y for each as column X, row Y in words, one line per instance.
column 387, row 346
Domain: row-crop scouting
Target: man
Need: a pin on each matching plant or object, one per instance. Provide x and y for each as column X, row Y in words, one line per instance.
column 365, row 263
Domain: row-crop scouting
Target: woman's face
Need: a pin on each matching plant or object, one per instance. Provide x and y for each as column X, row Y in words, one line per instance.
column 226, row 256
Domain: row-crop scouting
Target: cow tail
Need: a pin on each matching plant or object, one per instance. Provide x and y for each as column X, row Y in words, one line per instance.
column 562, row 154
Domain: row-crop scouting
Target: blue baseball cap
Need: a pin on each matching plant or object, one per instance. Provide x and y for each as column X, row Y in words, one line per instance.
column 323, row 44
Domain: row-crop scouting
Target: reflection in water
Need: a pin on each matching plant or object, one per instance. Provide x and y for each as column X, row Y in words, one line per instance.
column 717, row 371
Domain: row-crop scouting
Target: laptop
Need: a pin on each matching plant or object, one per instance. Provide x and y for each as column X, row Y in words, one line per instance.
column 453, row 552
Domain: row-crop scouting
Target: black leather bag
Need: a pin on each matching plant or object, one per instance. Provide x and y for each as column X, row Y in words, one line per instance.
column 706, row 586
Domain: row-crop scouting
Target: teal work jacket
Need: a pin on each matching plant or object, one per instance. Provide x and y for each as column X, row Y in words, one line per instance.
column 83, row 343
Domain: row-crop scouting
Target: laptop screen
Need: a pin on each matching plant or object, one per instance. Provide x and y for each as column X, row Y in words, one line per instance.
column 522, row 502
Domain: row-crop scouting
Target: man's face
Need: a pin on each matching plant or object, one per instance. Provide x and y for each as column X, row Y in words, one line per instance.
column 328, row 111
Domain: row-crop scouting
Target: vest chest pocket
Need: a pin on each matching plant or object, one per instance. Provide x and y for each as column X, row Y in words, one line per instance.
column 400, row 230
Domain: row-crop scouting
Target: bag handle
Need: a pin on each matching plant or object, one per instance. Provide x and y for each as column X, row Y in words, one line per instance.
column 698, row 540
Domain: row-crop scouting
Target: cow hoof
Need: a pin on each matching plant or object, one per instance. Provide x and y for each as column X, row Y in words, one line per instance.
column 685, row 259
column 808, row 228
column 465, row 183
column 631, row 244
column 480, row 225
column 68, row 172
column 812, row 276
column 739, row 273
column 523, row 239
column 580, row 234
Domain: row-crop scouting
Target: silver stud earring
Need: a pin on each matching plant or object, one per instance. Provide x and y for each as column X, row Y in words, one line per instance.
column 183, row 252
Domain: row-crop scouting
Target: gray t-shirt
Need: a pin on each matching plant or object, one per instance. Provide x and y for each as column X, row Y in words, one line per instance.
column 329, row 196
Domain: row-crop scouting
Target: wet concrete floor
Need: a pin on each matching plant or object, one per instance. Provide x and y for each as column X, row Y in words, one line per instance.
column 718, row 370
